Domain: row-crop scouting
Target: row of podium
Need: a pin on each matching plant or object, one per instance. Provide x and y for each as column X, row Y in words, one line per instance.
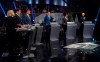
column 35, row 48
column 72, row 28
column 54, row 37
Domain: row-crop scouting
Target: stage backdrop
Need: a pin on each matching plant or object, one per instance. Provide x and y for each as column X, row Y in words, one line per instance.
column 57, row 17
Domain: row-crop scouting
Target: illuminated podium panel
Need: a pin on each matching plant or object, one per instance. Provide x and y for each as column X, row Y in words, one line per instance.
column 54, row 39
column 71, row 32
column 88, row 31
column 39, row 34
column 38, row 45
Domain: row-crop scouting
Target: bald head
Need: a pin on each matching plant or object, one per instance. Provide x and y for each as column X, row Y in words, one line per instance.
column 83, row 14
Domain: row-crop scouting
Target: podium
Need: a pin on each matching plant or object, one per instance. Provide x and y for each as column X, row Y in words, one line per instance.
column 88, row 31
column 38, row 46
column 71, row 32
column 54, row 39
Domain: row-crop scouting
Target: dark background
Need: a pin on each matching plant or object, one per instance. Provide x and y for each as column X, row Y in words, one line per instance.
column 90, row 7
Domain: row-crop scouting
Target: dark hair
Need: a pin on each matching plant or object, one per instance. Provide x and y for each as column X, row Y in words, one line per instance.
column 17, row 9
column 26, row 10
column 64, row 14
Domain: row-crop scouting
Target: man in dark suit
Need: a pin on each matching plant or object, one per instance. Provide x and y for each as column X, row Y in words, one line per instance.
column 26, row 17
column 18, row 17
column 83, row 18
column 48, row 19
column 27, row 21
column 47, row 26
column 81, row 21
column 19, row 23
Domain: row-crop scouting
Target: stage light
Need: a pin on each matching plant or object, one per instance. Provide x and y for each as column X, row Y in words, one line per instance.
column 65, row 4
column 30, row 1
column 32, row 9
column 62, row 3
column 65, row 1
column 3, row 10
column 14, row 4
column 55, row 2
column 93, row 39
column 47, row 1
column 36, row 1
column 96, row 19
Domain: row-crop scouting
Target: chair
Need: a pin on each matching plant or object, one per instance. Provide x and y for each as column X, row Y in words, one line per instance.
column 71, row 33
column 88, row 32
column 54, row 39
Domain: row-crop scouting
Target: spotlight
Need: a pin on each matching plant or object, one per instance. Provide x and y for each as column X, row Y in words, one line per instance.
column 14, row 4
column 3, row 10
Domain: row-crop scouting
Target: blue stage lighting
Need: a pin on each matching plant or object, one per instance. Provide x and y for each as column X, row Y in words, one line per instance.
column 93, row 39
column 32, row 9
column 96, row 19
column 55, row 2
column 36, row 1
column 3, row 10
column 14, row 4
column 65, row 4
column 47, row 1
column 62, row 3
column 30, row 1
column 97, row 16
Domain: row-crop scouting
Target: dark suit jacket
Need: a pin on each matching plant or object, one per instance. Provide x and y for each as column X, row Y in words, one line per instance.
column 82, row 19
column 47, row 20
column 26, row 19
column 10, row 28
column 10, row 24
column 18, row 19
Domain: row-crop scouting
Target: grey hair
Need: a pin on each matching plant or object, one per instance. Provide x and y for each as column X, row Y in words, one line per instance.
column 9, row 12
